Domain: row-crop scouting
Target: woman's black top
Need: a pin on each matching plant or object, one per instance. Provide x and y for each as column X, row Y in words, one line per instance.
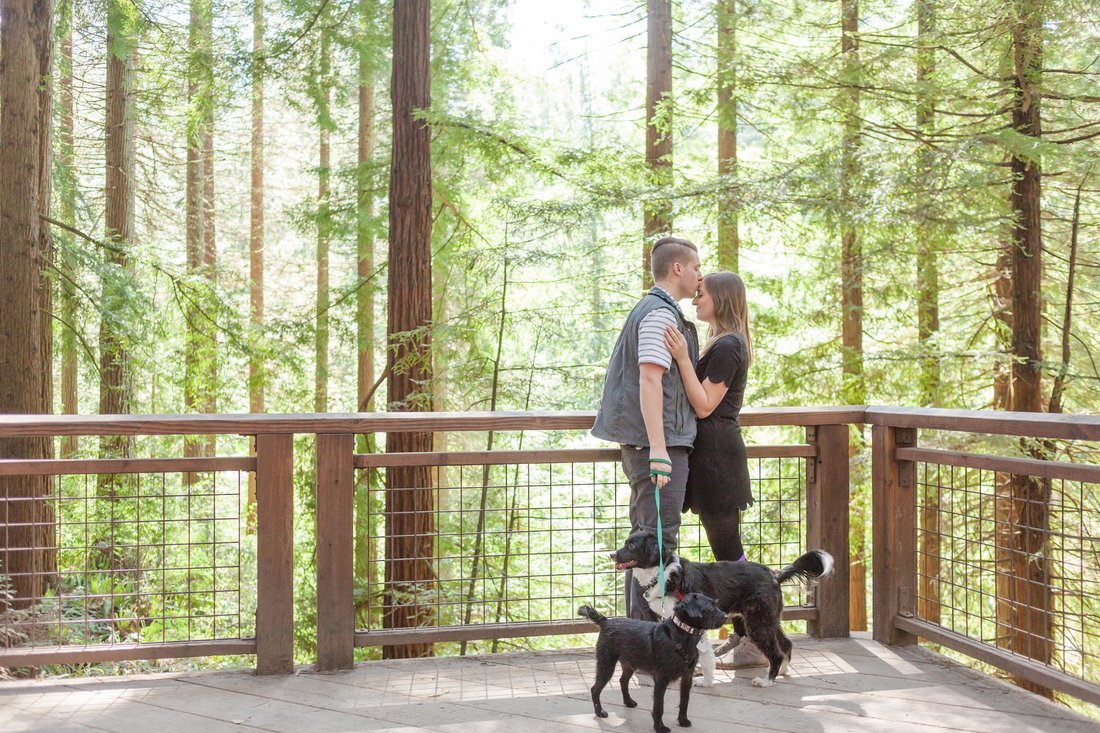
column 718, row 475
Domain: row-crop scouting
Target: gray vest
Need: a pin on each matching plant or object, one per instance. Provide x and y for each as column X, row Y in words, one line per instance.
column 620, row 417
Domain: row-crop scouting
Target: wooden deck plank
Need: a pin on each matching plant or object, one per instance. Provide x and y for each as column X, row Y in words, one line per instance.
column 850, row 685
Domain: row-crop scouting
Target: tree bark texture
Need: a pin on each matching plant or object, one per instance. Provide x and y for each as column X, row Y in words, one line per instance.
column 67, row 198
column 928, row 309
column 257, row 372
column 115, row 382
column 200, row 358
column 657, row 213
column 410, row 501
column 27, row 533
column 1031, row 601
column 209, row 385
column 209, row 388
column 729, row 238
column 853, row 386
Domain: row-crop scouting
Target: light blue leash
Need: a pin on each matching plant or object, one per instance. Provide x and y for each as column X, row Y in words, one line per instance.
column 653, row 472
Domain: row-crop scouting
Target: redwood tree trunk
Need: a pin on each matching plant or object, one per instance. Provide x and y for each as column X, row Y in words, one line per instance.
column 1031, row 600
column 197, row 91
column 410, row 529
column 115, row 388
column 658, row 133
column 729, row 239
column 256, row 368
column 928, row 308
column 209, row 399
column 67, row 198
column 851, row 275
column 27, row 532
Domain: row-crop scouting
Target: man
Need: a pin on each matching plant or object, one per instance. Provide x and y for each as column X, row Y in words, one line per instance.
column 644, row 407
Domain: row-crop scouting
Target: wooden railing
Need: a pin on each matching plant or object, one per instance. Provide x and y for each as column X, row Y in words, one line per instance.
column 114, row 571
column 993, row 550
column 954, row 554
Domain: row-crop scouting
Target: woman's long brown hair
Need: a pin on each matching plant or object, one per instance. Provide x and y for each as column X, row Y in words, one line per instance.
column 731, row 308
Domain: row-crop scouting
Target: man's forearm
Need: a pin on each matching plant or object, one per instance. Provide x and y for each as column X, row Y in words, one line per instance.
column 651, row 396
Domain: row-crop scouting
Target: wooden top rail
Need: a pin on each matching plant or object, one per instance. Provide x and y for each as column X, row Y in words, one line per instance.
column 368, row 422
column 525, row 457
column 1019, row 466
column 1028, row 424
column 1037, row 425
column 76, row 467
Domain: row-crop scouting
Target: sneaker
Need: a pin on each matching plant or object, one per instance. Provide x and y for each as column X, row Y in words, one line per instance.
column 745, row 654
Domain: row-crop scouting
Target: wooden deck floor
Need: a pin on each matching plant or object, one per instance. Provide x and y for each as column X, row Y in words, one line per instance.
column 841, row 685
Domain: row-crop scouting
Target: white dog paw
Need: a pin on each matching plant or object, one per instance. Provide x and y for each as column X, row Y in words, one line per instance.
column 762, row 682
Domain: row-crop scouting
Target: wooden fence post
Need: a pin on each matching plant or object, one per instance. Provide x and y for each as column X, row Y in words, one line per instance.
column 275, row 554
column 827, row 491
column 335, row 552
column 893, row 517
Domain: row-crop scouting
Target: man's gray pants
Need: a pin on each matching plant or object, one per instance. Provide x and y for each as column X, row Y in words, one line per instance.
column 643, row 510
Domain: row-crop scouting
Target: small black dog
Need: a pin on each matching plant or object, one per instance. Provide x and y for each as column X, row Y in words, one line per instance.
column 667, row 650
column 748, row 591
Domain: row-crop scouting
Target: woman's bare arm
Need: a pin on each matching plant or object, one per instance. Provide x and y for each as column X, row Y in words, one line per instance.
column 704, row 396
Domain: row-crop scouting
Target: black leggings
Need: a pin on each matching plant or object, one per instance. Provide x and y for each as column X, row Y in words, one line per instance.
column 724, row 534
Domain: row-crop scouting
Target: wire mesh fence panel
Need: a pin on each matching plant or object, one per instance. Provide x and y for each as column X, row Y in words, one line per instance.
column 141, row 558
column 529, row 542
column 1012, row 561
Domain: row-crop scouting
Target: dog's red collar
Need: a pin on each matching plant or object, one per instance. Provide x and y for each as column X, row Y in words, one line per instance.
column 682, row 626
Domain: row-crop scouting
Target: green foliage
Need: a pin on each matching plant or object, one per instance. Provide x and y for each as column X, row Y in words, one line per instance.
column 539, row 181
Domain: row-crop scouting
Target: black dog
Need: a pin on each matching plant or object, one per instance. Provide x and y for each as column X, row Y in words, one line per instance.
column 667, row 650
column 749, row 592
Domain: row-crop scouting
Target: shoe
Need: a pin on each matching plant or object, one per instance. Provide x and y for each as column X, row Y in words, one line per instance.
column 745, row 654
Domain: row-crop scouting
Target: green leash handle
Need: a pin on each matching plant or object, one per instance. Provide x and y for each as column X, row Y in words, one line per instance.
column 660, row 545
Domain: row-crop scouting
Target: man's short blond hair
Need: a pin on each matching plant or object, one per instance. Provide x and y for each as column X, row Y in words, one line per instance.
column 666, row 252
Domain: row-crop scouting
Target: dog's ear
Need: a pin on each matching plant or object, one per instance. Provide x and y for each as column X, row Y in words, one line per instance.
column 675, row 575
column 691, row 607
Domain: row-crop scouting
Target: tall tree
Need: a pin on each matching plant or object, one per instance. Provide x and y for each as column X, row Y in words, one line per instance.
column 729, row 239
column 67, row 200
column 209, row 398
column 657, row 212
column 115, row 382
column 928, row 277
column 27, row 533
column 364, row 235
column 200, row 353
column 854, row 388
column 257, row 372
column 409, row 497
column 1031, row 601
column 324, row 123
column 365, row 550
column 928, row 297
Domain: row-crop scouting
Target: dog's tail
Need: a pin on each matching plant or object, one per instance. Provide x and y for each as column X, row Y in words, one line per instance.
column 592, row 615
column 814, row 564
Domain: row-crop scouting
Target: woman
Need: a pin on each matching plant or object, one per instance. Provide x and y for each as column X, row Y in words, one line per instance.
column 718, row 487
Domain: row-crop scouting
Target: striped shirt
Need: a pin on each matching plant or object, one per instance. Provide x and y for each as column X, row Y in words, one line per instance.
column 651, row 337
